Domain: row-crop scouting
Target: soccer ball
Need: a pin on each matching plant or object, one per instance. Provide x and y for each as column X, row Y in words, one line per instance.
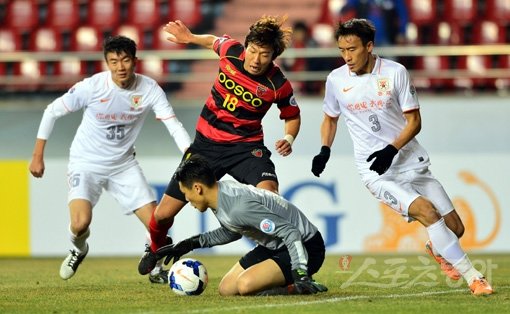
column 188, row 276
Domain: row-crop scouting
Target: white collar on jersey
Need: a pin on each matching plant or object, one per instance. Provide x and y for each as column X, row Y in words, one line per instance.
column 377, row 66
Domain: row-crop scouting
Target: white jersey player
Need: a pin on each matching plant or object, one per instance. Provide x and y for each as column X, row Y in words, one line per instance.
column 379, row 105
column 115, row 104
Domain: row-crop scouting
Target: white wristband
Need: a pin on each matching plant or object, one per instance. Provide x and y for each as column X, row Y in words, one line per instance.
column 289, row 138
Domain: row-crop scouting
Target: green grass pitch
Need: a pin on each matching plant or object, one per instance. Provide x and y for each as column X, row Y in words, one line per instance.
column 368, row 284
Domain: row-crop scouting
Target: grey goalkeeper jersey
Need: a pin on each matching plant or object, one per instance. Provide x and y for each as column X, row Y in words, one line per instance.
column 264, row 217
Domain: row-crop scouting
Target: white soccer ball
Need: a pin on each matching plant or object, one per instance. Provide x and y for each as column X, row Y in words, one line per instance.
column 188, row 276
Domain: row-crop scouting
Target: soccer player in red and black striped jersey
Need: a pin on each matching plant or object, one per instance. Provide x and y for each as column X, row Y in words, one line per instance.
column 229, row 130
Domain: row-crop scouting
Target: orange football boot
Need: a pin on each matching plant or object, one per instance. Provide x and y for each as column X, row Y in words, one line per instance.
column 480, row 286
column 446, row 267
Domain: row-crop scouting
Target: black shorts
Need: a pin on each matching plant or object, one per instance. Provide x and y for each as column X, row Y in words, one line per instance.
column 248, row 163
column 314, row 247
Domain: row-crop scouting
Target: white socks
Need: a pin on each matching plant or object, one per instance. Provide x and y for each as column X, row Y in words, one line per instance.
column 79, row 242
column 447, row 245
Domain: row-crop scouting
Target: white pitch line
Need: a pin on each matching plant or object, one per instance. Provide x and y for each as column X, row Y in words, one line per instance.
column 331, row 300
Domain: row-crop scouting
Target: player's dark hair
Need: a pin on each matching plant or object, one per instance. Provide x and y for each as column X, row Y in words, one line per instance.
column 268, row 31
column 195, row 169
column 119, row 44
column 362, row 28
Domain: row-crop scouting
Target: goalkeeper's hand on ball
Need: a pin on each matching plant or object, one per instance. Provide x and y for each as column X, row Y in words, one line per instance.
column 175, row 251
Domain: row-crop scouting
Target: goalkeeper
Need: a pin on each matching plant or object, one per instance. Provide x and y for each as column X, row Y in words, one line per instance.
column 289, row 247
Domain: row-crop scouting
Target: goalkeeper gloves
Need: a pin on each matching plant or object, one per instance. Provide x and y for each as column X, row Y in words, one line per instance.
column 383, row 159
column 175, row 251
column 319, row 161
column 303, row 284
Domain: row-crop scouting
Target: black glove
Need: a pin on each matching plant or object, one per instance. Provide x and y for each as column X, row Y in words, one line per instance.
column 175, row 251
column 383, row 159
column 303, row 284
column 319, row 161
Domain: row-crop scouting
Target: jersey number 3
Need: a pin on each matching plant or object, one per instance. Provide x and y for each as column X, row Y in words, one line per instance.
column 375, row 121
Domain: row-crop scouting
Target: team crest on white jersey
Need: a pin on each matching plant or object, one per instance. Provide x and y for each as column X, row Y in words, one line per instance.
column 383, row 85
column 413, row 90
column 136, row 102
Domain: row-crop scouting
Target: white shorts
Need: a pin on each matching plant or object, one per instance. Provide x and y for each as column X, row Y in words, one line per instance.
column 399, row 190
column 128, row 186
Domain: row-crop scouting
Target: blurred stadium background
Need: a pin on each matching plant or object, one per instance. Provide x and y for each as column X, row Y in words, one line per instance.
column 450, row 45
column 457, row 51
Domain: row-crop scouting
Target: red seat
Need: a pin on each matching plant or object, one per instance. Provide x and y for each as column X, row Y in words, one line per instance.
column 63, row 14
column 498, row 11
column 422, row 12
column 103, row 14
column 460, row 11
column 153, row 66
column 46, row 39
column 431, row 65
column 188, row 11
column 487, row 33
column 143, row 13
column 22, row 14
column 133, row 32
column 422, row 21
column 87, row 38
column 474, row 68
column 9, row 40
column 51, row 75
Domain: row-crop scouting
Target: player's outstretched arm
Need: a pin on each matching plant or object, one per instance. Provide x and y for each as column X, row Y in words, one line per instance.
column 175, row 251
column 179, row 33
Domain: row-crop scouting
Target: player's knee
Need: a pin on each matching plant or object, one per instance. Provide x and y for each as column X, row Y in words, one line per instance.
column 226, row 289
column 454, row 223
column 459, row 230
column 424, row 211
column 245, row 285
column 79, row 227
column 163, row 218
column 222, row 291
column 167, row 209
column 430, row 215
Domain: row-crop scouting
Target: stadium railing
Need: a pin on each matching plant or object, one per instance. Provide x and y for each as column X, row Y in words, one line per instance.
column 500, row 74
